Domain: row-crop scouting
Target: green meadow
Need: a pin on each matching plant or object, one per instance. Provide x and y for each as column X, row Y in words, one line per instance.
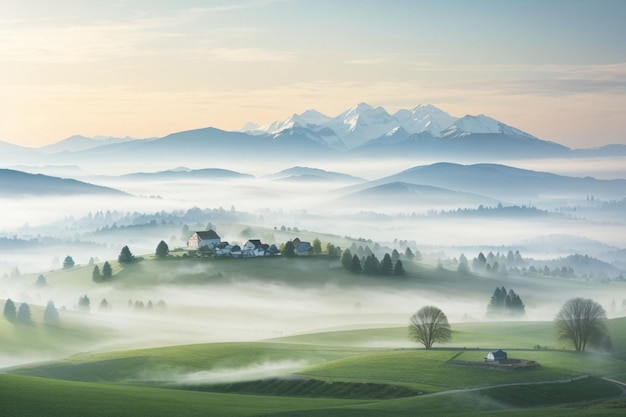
column 361, row 370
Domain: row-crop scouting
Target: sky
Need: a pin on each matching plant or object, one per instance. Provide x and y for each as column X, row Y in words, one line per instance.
column 147, row 68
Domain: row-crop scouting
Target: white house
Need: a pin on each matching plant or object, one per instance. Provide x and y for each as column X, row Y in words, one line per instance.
column 253, row 247
column 208, row 239
column 498, row 355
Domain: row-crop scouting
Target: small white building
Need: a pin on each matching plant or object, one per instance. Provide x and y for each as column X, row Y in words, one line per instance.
column 498, row 355
column 208, row 239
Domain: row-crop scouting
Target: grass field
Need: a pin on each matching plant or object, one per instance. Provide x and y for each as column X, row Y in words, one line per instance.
column 356, row 369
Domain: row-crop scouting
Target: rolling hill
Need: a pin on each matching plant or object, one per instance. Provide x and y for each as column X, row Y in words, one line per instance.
column 17, row 183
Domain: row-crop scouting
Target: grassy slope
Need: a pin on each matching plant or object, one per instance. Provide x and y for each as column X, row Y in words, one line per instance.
column 344, row 360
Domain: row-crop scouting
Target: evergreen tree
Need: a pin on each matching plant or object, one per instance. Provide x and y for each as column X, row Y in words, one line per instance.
column 355, row 265
column 125, row 255
column 95, row 274
column 84, row 303
column 496, row 305
column 346, row 259
column 386, row 266
column 41, row 281
column 104, row 305
column 479, row 263
column 408, row 254
column 23, row 313
column 395, row 255
column 68, row 262
column 50, row 314
column 107, row 271
column 398, row 269
column 370, row 266
column 162, row 250
column 10, row 312
column 463, row 267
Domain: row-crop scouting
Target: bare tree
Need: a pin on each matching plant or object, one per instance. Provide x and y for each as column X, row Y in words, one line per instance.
column 582, row 321
column 429, row 325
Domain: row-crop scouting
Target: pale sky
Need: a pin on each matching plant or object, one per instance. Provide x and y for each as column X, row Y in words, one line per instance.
column 146, row 68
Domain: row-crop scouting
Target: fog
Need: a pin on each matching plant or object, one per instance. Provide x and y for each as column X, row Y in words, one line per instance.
column 207, row 302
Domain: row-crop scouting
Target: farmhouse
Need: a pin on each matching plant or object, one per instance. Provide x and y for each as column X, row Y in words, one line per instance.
column 497, row 356
column 204, row 239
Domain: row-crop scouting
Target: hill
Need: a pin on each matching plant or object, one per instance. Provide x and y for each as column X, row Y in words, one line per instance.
column 506, row 182
column 17, row 183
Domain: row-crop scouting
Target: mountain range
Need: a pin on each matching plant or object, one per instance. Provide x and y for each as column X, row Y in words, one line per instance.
column 362, row 131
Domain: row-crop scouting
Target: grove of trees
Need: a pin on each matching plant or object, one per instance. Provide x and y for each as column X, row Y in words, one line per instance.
column 429, row 325
column 503, row 302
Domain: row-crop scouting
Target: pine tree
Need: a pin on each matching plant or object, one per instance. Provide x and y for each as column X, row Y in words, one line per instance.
column 355, row 265
column 50, row 314
column 386, row 266
column 408, row 254
column 41, row 281
column 395, row 255
column 10, row 312
column 162, row 250
column 107, row 271
column 398, row 269
column 346, row 259
column 95, row 274
column 370, row 266
column 23, row 313
column 84, row 303
column 125, row 256
column 68, row 262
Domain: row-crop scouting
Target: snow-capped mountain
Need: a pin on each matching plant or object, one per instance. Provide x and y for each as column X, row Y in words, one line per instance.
column 361, row 124
column 482, row 124
column 424, row 118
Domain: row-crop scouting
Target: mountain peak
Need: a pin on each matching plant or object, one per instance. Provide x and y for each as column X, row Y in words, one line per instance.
column 482, row 124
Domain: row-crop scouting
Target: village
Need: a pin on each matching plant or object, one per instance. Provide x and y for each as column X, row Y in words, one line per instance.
column 209, row 241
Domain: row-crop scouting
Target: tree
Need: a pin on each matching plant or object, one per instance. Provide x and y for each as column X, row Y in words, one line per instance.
column 68, row 262
column 395, row 255
column 355, row 265
column 370, row 266
column 10, row 312
column 408, row 254
column 398, row 269
column 107, row 271
column 104, row 305
column 125, row 256
column 386, row 265
column 346, row 258
column 581, row 322
column 84, row 303
column 95, row 274
column 463, row 267
column 289, row 250
column 162, row 250
column 50, row 314
column 23, row 313
column 317, row 246
column 429, row 325
column 41, row 281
